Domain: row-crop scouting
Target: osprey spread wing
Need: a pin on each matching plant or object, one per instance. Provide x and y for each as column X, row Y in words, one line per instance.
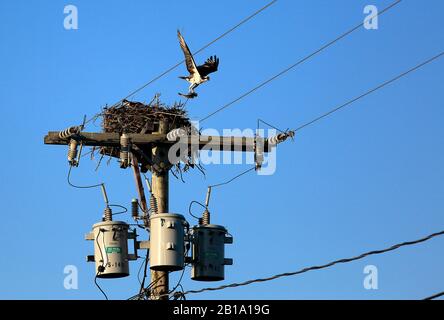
column 198, row 74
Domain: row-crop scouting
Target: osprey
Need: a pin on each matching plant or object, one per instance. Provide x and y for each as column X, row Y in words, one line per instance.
column 198, row 74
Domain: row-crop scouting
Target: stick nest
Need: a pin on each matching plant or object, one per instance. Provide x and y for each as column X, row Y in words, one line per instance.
column 137, row 117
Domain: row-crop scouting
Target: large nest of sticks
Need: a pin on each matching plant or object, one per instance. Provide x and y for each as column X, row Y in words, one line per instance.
column 137, row 117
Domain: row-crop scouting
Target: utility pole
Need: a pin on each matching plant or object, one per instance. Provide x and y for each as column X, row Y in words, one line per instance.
column 150, row 151
column 160, row 190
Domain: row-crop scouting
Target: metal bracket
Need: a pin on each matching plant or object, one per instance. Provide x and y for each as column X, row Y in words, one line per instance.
column 228, row 239
column 89, row 236
column 143, row 245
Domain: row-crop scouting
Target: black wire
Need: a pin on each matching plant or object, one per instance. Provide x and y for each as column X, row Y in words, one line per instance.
column 191, row 204
column 125, row 210
column 181, row 276
column 157, row 280
column 98, row 286
column 260, row 120
column 103, row 265
column 140, row 268
column 370, row 91
column 95, row 186
column 178, row 282
column 232, row 179
column 435, row 296
column 196, row 52
column 151, row 285
column 179, row 294
column 80, row 187
column 141, row 209
column 142, row 285
column 139, row 295
column 296, row 64
column 330, row 264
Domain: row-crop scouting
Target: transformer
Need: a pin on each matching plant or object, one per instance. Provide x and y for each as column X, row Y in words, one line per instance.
column 208, row 252
column 111, row 255
column 167, row 249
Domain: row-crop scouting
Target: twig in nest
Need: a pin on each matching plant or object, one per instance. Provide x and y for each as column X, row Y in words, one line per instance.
column 100, row 161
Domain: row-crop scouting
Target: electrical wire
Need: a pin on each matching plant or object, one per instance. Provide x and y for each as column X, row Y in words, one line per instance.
column 140, row 295
column 382, row 85
column 191, row 204
column 435, row 296
column 143, row 291
column 179, row 294
column 98, row 286
column 178, row 283
column 81, row 187
column 182, row 274
column 339, row 107
column 96, row 186
column 215, row 186
column 324, row 266
column 197, row 52
column 140, row 268
column 232, row 179
column 271, row 126
column 103, row 265
column 142, row 284
column 329, row 44
column 125, row 210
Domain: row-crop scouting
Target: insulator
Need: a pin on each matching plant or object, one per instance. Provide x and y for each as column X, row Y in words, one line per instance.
column 206, row 217
column 276, row 139
column 134, row 208
column 193, row 131
column 176, row 134
column 124, row 151
column 72, row 152
column 68, row 133
column 153, row 204
column 107, row 214
column 258, row 151
column 280, row 138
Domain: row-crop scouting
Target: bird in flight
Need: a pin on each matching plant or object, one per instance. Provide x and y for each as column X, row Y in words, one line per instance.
column 198, row 74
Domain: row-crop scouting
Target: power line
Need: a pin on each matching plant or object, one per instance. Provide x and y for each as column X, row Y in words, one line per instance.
column 270, row 125
column 329, row 44
column 370, row 91
column 435, row 296
column 198, row 51
column 232, row 179
column 324, row 266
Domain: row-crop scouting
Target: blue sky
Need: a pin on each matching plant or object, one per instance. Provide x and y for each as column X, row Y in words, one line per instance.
column 365, row 178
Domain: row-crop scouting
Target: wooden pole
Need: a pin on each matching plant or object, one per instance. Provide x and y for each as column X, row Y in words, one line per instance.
column 160, row 186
